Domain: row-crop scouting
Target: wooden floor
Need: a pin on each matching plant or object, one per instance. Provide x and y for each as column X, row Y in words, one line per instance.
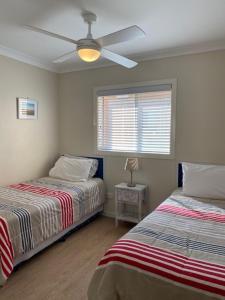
column 63, row 271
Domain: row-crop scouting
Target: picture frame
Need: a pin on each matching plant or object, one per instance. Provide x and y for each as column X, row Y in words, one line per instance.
column 27, row 109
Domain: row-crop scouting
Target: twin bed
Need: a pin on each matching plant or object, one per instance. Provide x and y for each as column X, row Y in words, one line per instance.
column 37, row 213
column 176, row 252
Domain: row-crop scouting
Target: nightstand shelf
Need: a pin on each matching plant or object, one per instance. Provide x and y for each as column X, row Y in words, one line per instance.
column 128, row 202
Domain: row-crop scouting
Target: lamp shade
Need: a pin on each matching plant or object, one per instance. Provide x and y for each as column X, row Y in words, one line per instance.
column 131, row 164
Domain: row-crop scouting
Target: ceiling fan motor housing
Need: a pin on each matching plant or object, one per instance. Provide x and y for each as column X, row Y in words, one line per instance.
column 88, row 44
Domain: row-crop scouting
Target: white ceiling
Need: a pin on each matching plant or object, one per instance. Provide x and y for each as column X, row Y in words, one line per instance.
column 172, row 27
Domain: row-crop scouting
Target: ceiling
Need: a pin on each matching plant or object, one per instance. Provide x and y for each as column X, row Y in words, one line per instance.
column 172, row 27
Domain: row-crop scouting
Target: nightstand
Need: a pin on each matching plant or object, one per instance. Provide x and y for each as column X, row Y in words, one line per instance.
column 128, row 202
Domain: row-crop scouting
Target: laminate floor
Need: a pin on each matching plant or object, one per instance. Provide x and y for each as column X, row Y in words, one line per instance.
column 63, row 270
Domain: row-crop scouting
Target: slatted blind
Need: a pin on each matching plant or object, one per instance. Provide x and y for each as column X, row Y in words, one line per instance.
column 135, row 120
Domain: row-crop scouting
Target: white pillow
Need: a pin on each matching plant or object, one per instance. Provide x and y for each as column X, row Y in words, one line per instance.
column 94, row 163
column 71, row 169
column 204, row 181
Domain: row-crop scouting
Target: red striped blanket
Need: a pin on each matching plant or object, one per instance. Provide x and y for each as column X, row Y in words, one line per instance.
column 32, row 212
column 6, row 250
column 64, row 198
column 178, row 251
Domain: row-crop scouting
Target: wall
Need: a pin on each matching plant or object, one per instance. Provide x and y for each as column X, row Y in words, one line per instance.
column 200, row 116
column 27, row 147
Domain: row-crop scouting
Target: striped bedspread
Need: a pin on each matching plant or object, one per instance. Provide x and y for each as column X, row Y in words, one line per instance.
column 33, row 212
column 177, row 252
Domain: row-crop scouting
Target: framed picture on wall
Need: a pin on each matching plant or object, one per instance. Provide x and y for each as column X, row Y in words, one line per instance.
column 27, row 109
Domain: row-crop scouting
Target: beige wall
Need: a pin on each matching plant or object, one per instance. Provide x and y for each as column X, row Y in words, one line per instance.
column 200, row 116
column 27, row 148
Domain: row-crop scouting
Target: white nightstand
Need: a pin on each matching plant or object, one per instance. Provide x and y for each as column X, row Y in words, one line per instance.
column 126, row 196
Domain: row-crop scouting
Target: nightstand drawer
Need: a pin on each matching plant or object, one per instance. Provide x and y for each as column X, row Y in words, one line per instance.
column 126, row 195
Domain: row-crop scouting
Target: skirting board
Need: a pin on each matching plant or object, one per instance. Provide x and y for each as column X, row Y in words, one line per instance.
column 108, row 214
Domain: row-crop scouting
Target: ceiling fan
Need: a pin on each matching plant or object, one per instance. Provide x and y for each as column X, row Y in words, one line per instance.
column 90, row 49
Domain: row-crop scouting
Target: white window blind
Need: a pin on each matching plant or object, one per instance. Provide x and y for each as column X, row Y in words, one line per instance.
column 136, row 119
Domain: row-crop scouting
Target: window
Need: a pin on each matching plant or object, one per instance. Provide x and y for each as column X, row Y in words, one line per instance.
column 136, row 119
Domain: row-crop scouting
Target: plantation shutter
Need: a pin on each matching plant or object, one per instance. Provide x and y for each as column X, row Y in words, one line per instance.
column 136, row 119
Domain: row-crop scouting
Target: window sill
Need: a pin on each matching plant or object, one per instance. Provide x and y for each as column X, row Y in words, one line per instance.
column 135, row 154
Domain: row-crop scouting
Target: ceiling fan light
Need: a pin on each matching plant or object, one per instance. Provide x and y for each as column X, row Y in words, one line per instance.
column 89, row 54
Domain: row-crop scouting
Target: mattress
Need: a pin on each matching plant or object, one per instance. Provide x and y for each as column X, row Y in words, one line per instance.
column 35, row 212
column 176, row 252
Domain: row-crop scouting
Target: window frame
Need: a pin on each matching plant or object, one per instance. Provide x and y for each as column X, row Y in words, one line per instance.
column 173, row 83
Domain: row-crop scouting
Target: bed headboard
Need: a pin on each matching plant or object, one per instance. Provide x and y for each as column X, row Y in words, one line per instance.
column 180, row 175
column 99, row 172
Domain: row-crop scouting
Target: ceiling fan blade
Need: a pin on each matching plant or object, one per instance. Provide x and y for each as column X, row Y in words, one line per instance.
column 64, row 57
column 121, row 60
column 55, row 35
column 123, row 35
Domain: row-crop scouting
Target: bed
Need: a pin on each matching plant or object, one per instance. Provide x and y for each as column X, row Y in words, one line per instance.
column 176, row 252
column 36, row 213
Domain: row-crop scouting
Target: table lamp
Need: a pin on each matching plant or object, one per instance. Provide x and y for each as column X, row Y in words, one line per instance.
column 131, row 165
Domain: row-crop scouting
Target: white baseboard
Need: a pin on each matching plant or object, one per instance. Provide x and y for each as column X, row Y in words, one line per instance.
column 108, row 214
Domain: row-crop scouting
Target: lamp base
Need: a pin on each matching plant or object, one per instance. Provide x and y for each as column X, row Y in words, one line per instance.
column 131, row 184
